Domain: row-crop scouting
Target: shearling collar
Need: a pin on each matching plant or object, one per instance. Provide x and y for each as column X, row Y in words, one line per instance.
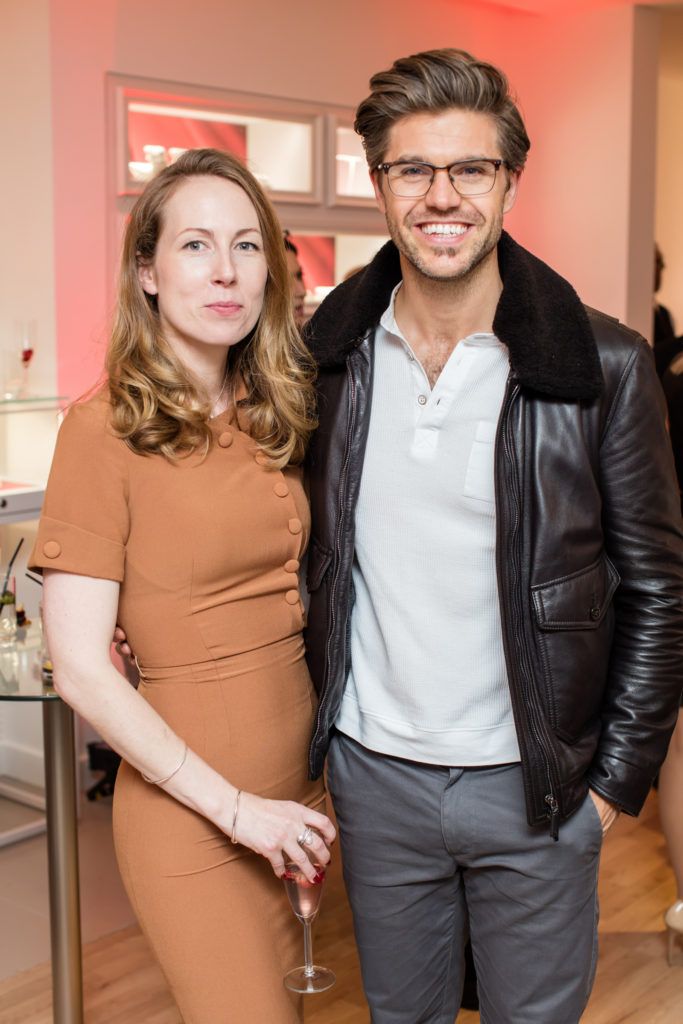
column 539, row 317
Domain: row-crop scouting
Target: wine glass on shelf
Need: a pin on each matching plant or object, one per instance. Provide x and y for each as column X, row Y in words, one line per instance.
column 27, row 351
column 304, row 897
column 8, row 609
column 16, row 362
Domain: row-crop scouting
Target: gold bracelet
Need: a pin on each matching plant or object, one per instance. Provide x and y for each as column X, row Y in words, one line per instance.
column 234, row 817
column 159, row 782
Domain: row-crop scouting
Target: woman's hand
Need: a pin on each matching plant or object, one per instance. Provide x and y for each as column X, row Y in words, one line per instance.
column 272, row 827
column 129, row 665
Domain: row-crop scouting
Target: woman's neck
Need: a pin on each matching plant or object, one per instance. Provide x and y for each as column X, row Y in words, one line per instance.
column 209, row 368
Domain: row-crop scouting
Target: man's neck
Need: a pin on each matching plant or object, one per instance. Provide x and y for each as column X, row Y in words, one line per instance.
column 432, row 312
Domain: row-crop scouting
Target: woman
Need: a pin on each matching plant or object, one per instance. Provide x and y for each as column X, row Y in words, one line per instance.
column 175, row 506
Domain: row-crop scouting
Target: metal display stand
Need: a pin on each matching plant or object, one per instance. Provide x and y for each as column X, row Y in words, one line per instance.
column 62, row 845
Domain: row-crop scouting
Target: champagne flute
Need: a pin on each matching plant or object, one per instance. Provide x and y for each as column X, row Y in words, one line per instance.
column 8, row 610
column 304, row 897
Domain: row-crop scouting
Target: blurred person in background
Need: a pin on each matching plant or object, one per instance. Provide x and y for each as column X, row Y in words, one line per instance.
column 664, row 341
column 296, row 281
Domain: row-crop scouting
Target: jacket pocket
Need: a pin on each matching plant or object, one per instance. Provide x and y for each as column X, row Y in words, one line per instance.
column 319, row 560
column 577, row 601
column 317, row 624
column 575, row 623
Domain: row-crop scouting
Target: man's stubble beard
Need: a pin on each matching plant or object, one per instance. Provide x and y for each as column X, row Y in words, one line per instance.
column 408, row 248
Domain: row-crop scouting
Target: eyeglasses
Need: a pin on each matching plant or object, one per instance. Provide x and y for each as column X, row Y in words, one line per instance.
column 410, row 179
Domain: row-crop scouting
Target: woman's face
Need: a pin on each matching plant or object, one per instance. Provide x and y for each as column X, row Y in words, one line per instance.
column 209, row 270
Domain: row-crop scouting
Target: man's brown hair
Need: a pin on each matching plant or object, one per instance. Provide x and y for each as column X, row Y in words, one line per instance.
column 435, row 81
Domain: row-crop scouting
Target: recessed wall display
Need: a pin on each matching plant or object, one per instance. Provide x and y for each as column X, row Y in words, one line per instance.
column 280, row 146
column 327, row 260
column 305, row 153
column 317, row 259
column 352, row 177
column 279, row 152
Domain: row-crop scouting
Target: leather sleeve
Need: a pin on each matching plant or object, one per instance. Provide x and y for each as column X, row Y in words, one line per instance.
column 644, row 539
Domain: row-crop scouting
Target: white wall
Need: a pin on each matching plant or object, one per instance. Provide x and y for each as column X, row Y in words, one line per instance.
column 589, row 126
column 643, row 161
column 26, row 196
column 669, row 215
column 27, row 292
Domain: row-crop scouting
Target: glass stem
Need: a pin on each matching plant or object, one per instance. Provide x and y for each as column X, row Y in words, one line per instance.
column 308, row 950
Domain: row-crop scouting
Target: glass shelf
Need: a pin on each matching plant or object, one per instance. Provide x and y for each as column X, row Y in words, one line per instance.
column 28, row 431
column 20, row 677
column 32, row 403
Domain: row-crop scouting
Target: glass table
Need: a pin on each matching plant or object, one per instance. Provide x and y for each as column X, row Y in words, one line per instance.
column 20, row 680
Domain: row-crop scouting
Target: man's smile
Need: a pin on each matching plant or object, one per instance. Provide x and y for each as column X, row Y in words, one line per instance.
column 443, row 229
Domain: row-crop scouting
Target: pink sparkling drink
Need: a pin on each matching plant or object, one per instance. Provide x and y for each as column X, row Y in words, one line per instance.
column 304, row 895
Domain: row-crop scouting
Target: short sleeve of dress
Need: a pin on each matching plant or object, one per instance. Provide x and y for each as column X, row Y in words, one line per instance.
column 85, row 521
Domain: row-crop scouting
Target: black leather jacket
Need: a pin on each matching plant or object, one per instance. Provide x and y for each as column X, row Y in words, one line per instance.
column 589, row 534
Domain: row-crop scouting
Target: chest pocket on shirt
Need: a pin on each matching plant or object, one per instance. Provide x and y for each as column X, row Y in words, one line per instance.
column 479, row 476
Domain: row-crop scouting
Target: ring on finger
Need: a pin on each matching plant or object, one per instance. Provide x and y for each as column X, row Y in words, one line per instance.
column 307, row 837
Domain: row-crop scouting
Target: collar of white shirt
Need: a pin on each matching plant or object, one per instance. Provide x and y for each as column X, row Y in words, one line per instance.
column 389, row 324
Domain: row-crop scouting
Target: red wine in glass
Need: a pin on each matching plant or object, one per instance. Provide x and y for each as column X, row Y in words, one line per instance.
column 304, row 897
column 26, row 357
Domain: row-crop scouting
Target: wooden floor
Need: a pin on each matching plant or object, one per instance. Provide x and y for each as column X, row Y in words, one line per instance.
column 634, row 984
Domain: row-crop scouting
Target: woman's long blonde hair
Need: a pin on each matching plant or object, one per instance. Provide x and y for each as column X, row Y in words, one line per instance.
column 157, row 405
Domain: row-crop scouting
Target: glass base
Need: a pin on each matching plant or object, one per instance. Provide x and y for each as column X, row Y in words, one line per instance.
column 319, row 980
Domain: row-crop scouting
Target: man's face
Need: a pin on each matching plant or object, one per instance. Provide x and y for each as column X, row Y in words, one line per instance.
column 442, row 234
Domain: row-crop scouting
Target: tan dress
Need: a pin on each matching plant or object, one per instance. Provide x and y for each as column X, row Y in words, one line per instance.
column 207, row 553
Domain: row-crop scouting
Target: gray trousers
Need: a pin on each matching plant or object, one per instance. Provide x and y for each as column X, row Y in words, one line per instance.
column 430, row 853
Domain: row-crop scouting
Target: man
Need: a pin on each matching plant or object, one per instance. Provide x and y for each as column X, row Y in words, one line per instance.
column 496, row 572
column 664, row 341
column 296, row 281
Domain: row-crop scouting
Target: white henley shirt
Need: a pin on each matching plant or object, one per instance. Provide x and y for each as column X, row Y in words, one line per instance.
column 428, row 680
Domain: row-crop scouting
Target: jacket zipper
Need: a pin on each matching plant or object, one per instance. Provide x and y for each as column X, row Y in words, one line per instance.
column 322, row 705
column 532, row 714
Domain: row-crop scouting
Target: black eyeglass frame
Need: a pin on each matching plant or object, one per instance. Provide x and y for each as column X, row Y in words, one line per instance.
column 496, row 161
